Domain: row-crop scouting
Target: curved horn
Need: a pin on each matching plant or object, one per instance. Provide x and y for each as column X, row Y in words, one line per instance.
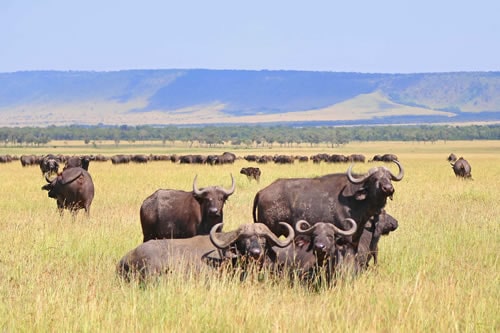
column 401, row 172
column 355, row 180
column 303, row 227
column 222, row 240
column 47, row 178
column 195, row 188
column 349, row 232
column 233, row 186
column 273, row 238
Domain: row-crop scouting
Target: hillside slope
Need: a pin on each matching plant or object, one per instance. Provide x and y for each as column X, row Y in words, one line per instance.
column 134, row 97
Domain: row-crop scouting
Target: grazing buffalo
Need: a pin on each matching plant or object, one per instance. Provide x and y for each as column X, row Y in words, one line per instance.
column 331, row 198
column 120, row 159
column 389, row 158
column 73, row 189
column 139, row 158
column 180, row 214
column 28, row 160
column 49, row 164
column 250, row 243
column 251, row 173
column 378, row 226
column 462, row 168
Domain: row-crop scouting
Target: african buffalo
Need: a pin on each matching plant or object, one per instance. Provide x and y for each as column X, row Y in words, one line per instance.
column 179, row 214
column 377, row 226
column 77, row 162
column 120, row 159
column 462, row 168
column 314, row 248
column 49, row 164
column 73, row 189
column 250, row 243
column 28, row 160
column 251, row 173
column 331, row 198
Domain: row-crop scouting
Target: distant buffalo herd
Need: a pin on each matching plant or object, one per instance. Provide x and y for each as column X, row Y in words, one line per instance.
column 306, row 228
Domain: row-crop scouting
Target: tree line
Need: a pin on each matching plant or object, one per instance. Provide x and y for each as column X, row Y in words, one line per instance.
column 213, row 136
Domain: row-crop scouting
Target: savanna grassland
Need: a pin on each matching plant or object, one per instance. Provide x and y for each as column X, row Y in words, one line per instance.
column 438, row 272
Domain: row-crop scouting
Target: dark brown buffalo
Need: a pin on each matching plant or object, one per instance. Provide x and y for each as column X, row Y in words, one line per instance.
column 253, row 243
column 356, row 158
column 378, row 226
column 6, row 158
column 120, row 159
column 462, row 168
column 452, row 158
column 251, row 173
column 139, row 158
column 314, row 249
column 77, row 162
column 28, row 160
column 389, row 158
column 179, row 214
column 73, row 189
column 331, row 198
column 49, row 164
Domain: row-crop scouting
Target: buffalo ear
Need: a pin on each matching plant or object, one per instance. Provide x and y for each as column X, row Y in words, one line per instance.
column 360, row 194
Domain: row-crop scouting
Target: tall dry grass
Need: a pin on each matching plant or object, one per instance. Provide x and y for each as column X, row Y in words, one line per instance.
column 438, row 272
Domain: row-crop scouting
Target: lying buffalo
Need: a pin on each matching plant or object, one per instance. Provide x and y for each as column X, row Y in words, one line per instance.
column 314, row 249
column 73, row 189
column 253, row 243
column 331, row 198
column 179, row 214
column 462, row 168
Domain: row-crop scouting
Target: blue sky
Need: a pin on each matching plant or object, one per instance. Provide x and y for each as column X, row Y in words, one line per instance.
column 384, row 36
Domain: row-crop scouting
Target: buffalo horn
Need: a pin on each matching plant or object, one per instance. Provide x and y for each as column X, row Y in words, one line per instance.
column 304, row 227
column 401, row 172
column 346, row 232
column 195, row 188
column 223, row 240
column 272, row 237
column 355, row 180
column 47, row 178
column 231, row 190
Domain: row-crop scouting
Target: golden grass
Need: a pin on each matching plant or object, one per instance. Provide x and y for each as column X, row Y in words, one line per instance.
column 438, row 272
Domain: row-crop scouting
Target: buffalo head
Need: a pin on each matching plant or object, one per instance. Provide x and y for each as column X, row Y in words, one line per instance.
column 321, row 237
column 376, row 183
column 212, row 198
column 253, row 240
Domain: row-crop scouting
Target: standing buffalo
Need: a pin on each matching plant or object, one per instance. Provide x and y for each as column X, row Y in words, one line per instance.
column 251, row 172
column 180, row 214
column 78, row 161
column 250, row 243
column 49, row 164
column 378, row 226
column 73, row 189
column 462, row 168
column 331, row 198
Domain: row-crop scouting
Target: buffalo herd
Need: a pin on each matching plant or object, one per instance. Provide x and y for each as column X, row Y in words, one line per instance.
column 302, row 228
